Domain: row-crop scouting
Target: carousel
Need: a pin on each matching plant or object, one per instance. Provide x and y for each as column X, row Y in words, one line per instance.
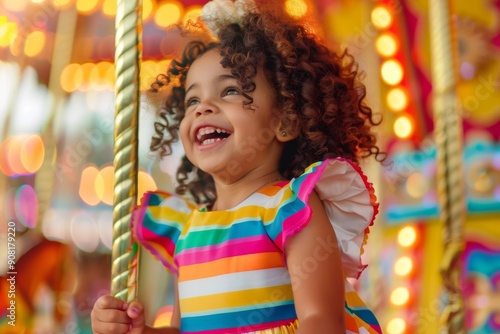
column 76, row 120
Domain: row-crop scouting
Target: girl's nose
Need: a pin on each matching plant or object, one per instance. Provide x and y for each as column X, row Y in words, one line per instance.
column 205, row 108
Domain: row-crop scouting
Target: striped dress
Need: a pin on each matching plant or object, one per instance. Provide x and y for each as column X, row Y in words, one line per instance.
column 232, row 277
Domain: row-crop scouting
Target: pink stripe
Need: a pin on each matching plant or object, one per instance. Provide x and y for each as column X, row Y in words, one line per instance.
column 248, row 245
column 147, row 236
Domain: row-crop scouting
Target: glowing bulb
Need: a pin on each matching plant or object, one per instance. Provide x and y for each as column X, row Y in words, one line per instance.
column 381, row 17
column 8, row 32
column 87, row 189
column 386, row 45
column 168, row 13
column 32, row 153
column 403, row 127
column 407, row 236
column 392, row 72
column 71, row 78
column 397, row 99
column 400, row 296
column 109, row 7
column 34, row 43
column 396, row 326
column 403, row 266
column 104, row 185
column 296, row 8
column 86, row 6
column 147, row 9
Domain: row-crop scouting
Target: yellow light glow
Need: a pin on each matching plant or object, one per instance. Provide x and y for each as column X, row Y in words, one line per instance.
column 386, row 45
column 403, row 127
column 296, row 8
column 397, row 100
column 102, row 68
column 417, row 185
column 403, row 266
column 381, row 17
column 407, row 236
column 104, row 185
column 168, row 13
column 38, row 1
column 110, row 75
column 144, row 183
column 61, row 3
column 109, row 7
column 192, row 14
column 8, row 32
column 86, row 6
column 32, row 153
column 87, row 189
column 147, row 9
column 400, row 296
column 71, row 78
column 396, row 326
column 14, row 156
column 392, row 72
column 87, row 70
column 34, row 44
column 15, row 6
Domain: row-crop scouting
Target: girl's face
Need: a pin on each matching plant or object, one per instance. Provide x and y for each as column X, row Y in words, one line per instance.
column 219, row 135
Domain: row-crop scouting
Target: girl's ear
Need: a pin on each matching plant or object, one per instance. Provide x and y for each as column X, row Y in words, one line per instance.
column 284, row 133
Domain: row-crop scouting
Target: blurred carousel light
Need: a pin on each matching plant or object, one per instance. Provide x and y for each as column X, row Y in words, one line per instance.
column 145, row 183
column 407, row 236
column 55, row 225
column 8, row 33
column 26, row 204
column 467, row 70
column 403, row 266
column 104, row 185
column 32, row 153
column 403, row 127
column 87, row 189
column 417, row 185
column 87, row 70
column 168, row 13
column 109, row 8
column 15, row 6
column 386, row 45
column 4, row 157
column 84, row 231
column 296, row 8
column 105, row 223
column 192, row 14
column 71, row 78
column 397, row 99
column 86, row 6
column 396, row 326
column 14, row 156
column 147, row 9
column 381, row 17
column 392, row 72
column 400, row 296
column 35, row 42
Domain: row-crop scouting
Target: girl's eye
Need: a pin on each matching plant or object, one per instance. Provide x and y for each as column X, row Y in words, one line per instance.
column 231, row 91
column 190, row 102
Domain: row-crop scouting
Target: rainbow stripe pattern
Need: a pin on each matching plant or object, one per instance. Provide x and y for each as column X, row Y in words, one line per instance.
column 232, row 277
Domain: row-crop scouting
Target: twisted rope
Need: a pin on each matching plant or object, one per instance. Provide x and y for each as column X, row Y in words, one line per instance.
column 448, row 135
column 128, row 49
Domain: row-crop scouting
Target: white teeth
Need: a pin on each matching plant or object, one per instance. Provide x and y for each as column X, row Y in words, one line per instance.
column 210, row 141
column 208, row 130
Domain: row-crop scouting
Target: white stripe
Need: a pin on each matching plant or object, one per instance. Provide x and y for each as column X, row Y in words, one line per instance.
column 234, row 282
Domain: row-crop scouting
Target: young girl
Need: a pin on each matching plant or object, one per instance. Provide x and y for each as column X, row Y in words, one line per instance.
column 273, row 124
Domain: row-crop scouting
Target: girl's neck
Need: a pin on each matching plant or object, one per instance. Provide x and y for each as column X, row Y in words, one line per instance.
column 231, row 194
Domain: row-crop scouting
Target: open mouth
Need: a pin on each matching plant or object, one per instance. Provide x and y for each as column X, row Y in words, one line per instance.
column 209, row 135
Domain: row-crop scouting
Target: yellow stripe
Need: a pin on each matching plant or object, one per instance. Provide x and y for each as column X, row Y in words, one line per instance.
column 231, row 265
column 237, row 299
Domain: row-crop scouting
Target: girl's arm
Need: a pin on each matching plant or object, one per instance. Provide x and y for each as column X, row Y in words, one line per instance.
column 315, row 268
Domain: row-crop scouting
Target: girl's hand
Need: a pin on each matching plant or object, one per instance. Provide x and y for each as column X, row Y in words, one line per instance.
column 113, row 316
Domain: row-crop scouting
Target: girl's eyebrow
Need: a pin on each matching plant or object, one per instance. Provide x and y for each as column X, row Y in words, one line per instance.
column 220, row 78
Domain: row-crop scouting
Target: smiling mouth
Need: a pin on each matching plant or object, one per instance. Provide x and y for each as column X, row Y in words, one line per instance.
column 209, row 135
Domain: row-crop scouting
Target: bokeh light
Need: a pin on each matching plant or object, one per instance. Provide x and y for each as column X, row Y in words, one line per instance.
column 403, row 127
column 84, row 231
column 168, row 13
column 87, row 189
column 381, row 17
column 403, row 266
column 400, row 296
column 32, row 153
column 15, row 5
column 147, row 9
column 26, row 204
column 386, row 45
column 14, row 156
column 104, row 185
column 35, row 42
column 145, row 182
column 192, row 14
column 4, row 157
column 8, row 32
column 86, row 6
column 109, row 7
column 407, row 236
column 71, row 78
column 392, row 72
column 296, row 8
column 105, row 224
column 397, row 99
column 396, row 326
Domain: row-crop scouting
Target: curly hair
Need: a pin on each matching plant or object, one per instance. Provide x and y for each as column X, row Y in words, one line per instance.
column 319, row 96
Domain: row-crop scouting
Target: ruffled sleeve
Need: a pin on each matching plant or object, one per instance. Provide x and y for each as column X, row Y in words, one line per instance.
column 349, row 201
column 158, row 222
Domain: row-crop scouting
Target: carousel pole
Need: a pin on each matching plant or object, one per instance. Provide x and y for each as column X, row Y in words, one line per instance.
column 448, row 136
column 128, row 50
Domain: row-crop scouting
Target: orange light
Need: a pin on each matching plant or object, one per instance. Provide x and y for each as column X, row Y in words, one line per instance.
column 32, row 153
column 86, row 6
column 397, row 100
column 168, row 13
column 392, row 72
column 87, row 189
column 34, row 44
column 296, row 8
column 386, row 45
column 14, row 156
column 4, row 157
column 104, row 185
column 71, row 78
column 407, row 236
column 400, row 296
column 403, row 127
column 147, row 9
column 381, row 17
column 396, row 326
column 109, row 7
column 403, row 266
